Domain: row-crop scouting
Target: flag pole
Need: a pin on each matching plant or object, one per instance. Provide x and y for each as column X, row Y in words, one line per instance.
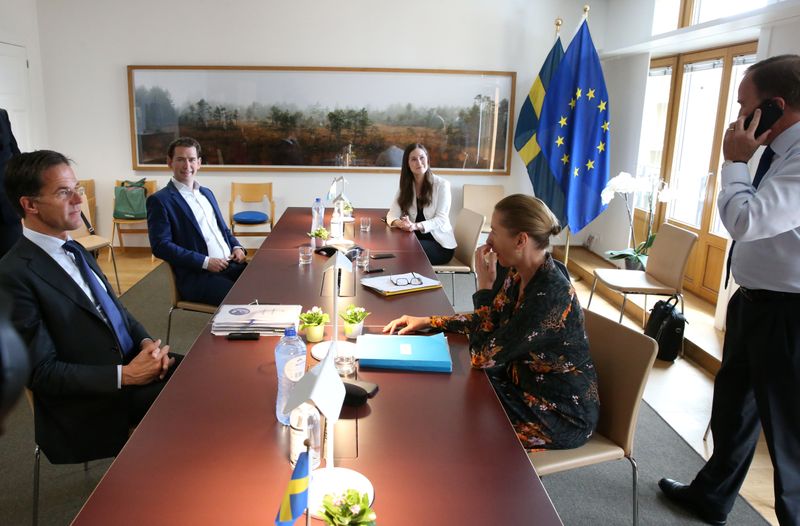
column 566, row 249
column 307, row 443
column 559, row 22
column 586, row 9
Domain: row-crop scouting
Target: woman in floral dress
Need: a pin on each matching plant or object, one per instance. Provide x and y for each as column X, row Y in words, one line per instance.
column 527, row 331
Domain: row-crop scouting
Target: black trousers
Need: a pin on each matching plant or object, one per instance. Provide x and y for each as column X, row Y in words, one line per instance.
column 217, row 285
column 437, row 254
column 757, row 386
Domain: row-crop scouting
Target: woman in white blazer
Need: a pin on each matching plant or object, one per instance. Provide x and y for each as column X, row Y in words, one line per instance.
column 422, row 206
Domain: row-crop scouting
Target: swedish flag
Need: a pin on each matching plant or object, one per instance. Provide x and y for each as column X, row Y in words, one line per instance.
column 574, row 130
column 295, row 501
column 545, row 186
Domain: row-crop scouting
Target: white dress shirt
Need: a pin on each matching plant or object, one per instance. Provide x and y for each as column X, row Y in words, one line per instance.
column 206, row 219
column 765, row 222
column 54, row 247
column 437, row 213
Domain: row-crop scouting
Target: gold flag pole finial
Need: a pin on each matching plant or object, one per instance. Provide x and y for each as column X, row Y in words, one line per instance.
column 586, row 11
column 559, row 21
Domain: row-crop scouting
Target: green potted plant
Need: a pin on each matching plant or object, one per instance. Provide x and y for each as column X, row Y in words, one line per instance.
column 626, row 185
column 320, row 234
column 313, row 321
column 353, row 320
column 351, row 509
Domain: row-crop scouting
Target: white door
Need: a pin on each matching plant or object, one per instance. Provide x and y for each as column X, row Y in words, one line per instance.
column 14, row 92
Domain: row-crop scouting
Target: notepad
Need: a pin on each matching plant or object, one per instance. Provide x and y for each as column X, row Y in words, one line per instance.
column 263, row 319
column 410, row 353
column 384, row 284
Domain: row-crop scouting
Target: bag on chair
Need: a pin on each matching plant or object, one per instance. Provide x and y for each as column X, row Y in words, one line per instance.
column 666, row 326
column 129, row 200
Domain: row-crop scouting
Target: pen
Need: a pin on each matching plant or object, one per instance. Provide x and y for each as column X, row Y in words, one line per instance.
column 373, row 270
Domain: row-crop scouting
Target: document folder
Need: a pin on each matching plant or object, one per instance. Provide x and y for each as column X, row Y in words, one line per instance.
column 410, row 353
column 383, row 284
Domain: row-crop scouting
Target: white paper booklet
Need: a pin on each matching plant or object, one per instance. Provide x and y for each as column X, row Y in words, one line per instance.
column 264, row 319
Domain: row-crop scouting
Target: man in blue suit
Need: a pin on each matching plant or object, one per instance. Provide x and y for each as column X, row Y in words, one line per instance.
column 187, row 230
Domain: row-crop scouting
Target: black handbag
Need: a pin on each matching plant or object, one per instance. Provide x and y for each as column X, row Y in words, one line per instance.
column 666, row 326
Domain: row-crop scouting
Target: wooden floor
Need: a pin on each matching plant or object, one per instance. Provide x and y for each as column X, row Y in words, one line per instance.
column 680, row 392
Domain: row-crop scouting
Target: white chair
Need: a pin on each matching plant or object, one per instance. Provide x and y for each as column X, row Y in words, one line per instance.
column 178, row 303
column 663, row 276
column 481, row 198
column 622, row 358
column 467, row 230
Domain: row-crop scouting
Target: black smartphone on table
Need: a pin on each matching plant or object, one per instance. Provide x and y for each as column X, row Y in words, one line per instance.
column 770, row 113
column 381, row 256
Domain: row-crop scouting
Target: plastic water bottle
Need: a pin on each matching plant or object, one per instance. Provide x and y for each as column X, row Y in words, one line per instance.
column 317, row 217
column 290, row 362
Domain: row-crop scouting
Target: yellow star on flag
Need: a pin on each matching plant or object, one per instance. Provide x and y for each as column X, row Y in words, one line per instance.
column 602, row 105
column 605, row 125
column 572, row 104
column 560, row 141
column 601, row 147
column 590, row 94
column 589, row 164
column 578, row 93
column 565, row 159
column 562, row 121
column 576, row 172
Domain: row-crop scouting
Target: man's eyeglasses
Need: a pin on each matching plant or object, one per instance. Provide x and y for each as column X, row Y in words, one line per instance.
column 66, row 194
column 403, row 281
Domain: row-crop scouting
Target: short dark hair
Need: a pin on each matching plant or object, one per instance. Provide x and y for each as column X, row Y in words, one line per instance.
column 186, row 142
column 778, row 76
column 24, row 174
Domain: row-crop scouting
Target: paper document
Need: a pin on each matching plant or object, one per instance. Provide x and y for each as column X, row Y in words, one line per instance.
column 411, row 353
column 388, row 285
column 263, row 319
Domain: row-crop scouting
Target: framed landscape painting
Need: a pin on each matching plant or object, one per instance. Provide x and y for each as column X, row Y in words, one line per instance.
column 323, row 119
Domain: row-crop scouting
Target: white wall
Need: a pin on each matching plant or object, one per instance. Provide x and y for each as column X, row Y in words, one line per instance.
column 19, row 26
column 86, row 46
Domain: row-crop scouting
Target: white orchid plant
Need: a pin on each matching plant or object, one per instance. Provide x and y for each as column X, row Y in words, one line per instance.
column 626, row 185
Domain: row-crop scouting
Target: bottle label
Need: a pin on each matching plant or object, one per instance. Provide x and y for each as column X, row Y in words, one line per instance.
column 295, row 368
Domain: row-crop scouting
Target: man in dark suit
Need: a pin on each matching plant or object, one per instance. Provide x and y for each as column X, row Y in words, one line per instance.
column 10, row 226
column 95, row 370
column 187, row 230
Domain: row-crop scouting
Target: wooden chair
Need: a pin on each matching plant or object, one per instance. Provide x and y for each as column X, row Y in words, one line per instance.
column 89, row 192
column 481, row 198
column 178, row 303
column 250, row 193
column 663, row 276
column 622, row 358
column 86, row 236
column 117, row 224
column 467, row 230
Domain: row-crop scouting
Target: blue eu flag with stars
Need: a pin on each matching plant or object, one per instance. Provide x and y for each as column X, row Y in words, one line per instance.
column 574, row 129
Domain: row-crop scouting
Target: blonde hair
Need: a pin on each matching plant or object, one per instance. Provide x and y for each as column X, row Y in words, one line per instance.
column 524, row 213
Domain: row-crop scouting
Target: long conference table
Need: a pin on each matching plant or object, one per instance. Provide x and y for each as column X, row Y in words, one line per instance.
column 438, row 448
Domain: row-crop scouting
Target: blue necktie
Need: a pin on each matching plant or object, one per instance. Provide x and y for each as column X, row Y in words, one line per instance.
column 763, row 167
column 101, row 295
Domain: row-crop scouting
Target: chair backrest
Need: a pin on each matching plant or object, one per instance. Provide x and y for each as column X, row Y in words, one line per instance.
column 82, row 231
column 623, row 359
column 175, row 296
column 481, row 198
column 669, row 254
column 467, row 231
column 252, row 193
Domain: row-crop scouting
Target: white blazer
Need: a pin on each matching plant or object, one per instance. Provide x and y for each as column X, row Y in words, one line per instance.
column 437, row 213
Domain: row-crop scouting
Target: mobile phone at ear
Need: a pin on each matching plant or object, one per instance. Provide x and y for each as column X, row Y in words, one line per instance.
column 770, row 113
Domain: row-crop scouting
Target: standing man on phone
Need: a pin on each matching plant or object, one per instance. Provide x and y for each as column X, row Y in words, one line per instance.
column 187, row 230
column 10, row 222
column 759, row 381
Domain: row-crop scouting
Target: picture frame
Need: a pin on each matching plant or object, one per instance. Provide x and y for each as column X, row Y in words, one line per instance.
column 319, row 119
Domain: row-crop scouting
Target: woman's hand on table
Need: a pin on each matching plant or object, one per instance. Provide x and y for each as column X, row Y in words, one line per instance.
column 406, row 324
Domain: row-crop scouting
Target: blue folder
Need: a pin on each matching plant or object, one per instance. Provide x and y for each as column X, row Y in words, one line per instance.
column 410, row 353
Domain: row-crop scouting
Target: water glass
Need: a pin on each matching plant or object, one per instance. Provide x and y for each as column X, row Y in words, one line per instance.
column 366, row 223
column 305, row 252
column 362, row 259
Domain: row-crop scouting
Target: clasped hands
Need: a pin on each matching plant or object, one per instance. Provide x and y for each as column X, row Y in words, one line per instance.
column 404, row 223
column 151, row 363
column 220, row 264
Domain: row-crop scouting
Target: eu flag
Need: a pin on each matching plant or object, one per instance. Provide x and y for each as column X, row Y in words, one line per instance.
column 295, row 501
column 574, row 128
column 545, row 186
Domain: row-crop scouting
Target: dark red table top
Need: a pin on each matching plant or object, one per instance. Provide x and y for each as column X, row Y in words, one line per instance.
column 438, row 448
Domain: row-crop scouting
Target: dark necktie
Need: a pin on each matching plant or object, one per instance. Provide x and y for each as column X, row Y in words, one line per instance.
column 763, row 166
column 101, row 295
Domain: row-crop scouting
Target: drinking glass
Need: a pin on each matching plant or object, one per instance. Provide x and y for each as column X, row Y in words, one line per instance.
column 305, row 252
column 362, row 260
column 366, row 223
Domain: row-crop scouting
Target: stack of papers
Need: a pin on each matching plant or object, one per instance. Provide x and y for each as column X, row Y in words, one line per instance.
column 263, row 319
column 385, row 285
column 409, row 353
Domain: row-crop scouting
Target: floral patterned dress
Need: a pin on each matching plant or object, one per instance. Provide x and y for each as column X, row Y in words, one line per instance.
column 536, row 354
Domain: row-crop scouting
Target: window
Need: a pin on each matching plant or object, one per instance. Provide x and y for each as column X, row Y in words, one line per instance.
column 666, row 15
column 654, row 125
column 706, row 10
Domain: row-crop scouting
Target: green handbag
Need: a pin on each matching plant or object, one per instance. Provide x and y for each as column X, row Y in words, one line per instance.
column 129, row 200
